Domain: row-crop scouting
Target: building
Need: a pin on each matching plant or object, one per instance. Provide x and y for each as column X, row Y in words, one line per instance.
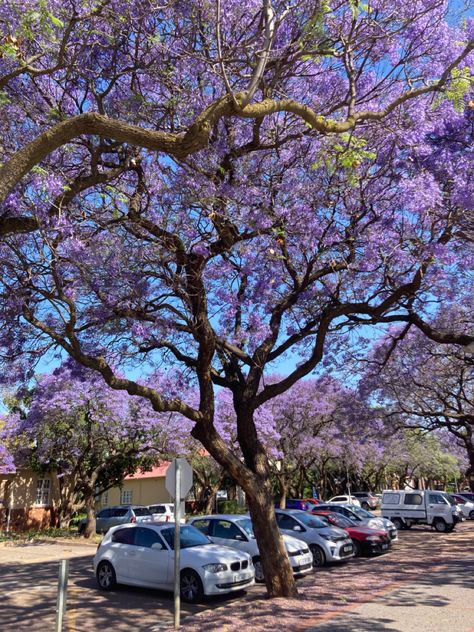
column 141, row 488
column 27, row 500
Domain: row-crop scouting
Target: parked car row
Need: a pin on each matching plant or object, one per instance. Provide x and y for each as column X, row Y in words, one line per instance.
column 220, row 553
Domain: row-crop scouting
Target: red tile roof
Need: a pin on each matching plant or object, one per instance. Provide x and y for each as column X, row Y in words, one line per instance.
column 157, row 472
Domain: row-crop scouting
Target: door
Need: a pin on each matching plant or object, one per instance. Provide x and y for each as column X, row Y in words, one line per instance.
column 438, row 506
column 151, row 565
column 102, row 520
column 227, row 533
column 123, row 551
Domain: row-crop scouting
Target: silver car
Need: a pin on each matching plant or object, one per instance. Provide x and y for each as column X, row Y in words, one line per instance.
column 327, row 544
column 236, row 531
column 121, row 514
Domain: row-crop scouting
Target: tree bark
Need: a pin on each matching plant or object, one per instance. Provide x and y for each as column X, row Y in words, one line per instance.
column 90, row 509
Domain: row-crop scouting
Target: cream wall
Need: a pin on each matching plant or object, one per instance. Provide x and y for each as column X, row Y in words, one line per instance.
column 145, row 491
column 21, row 492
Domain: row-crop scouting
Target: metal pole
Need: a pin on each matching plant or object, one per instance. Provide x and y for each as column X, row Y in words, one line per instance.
column 177, row 529
column 62, row 594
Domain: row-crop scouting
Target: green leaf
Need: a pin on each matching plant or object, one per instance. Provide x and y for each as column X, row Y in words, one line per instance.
column 56, row 21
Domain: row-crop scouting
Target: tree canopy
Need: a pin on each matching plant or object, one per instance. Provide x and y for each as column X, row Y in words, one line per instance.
column 211, row 188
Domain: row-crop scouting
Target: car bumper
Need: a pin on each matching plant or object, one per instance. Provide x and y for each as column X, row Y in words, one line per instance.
column 219, row 583
column 339, row 552
column 302, row 564
column 374, row 548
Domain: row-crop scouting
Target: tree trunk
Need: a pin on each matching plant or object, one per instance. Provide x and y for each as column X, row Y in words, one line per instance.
column 90, row 524
column 276, row 565
column 254, row 478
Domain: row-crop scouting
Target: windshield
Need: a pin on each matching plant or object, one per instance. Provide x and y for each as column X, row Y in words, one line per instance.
column 361, row 512
column 247, row 526
column 342, row 521
column 310, row 521
column 189, row 537
column 450, row 500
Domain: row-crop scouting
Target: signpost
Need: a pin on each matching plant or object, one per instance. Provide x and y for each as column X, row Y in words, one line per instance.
column 179, row 480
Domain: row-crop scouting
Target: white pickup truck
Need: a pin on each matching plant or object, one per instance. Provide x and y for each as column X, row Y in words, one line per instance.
column 420, row 506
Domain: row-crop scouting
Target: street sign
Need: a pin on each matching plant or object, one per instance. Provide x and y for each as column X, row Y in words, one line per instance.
column 179, row 480
column 186, row 478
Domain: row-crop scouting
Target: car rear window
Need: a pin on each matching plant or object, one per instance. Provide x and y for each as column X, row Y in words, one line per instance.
column 391, row 499
column 118, row 513
column 159, row 509
column 141, row 511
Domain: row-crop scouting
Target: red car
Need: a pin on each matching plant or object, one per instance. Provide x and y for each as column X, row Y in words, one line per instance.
column 366, row 541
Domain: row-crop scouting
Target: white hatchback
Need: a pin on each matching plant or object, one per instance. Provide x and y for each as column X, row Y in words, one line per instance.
column 237, row 532
column 140, row 555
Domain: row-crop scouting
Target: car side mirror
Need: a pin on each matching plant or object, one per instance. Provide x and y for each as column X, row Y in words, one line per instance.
column 157, row 546
column 297, row 527
column 240, row 537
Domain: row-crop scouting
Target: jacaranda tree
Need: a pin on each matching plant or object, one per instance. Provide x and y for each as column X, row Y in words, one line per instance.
column 215, row 187
column 88, row 435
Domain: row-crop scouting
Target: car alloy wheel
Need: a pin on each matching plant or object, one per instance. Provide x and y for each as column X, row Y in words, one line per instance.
column 319, row 559
column 106, row 576
column 257, row 564
column 191, row 587
column 440, row 525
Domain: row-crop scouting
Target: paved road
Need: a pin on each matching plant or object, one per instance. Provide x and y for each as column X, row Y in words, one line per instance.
column 28, row 581
column 442, row 601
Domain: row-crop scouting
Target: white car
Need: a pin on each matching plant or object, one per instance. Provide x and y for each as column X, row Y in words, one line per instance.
column 343, row 500
column 140, row 555
column 163, row 512
column 237, row 532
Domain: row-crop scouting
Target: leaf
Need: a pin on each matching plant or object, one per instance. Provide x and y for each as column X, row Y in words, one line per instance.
column 56, row 21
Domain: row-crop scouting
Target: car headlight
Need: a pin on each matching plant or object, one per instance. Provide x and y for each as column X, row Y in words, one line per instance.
column 374, row 538
column 215, row 568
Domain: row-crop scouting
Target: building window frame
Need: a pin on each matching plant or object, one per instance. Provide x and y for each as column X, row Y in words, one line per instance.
column 43, row 492
column 126, row 496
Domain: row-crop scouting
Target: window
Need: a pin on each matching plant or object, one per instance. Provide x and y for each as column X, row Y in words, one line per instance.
column 391, row 499
column 124, row 536
column 43, row 487
column 126, row 496
column 119, row 512
column 202, row 525
column 436, row 499
column 189, row 537
column 286, row 522
column 105, row 513
column 226, row 529
column 413, row 499
column 146, row 537
column 141, row 511
column 104, row 499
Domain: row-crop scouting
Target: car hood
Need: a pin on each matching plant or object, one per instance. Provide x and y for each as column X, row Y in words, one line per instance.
column 211, row 554
column 366, row 531
column 334, row 532
column 293, row 544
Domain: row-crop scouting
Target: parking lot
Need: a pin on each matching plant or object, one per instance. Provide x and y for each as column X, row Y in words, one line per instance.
column 431, row 571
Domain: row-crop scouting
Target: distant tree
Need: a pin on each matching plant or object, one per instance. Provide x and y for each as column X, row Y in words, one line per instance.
column 88, row 434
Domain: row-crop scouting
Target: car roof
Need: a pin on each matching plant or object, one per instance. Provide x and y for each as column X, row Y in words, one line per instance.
column 221, row 517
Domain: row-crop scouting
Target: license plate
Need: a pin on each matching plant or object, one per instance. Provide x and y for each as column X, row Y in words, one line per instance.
column 384, row 547
column 347, row 548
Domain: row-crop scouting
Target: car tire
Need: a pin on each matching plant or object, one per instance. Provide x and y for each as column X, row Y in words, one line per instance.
column 399, row 524
column 319, row 558
column 191, row 589
column 105, row 576
column 440, row 525
column 357, row 549
column 259, row 576
column 365, row 506
column 471, row 515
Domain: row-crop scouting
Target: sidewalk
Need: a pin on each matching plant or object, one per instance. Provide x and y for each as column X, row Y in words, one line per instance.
column 439, row 601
